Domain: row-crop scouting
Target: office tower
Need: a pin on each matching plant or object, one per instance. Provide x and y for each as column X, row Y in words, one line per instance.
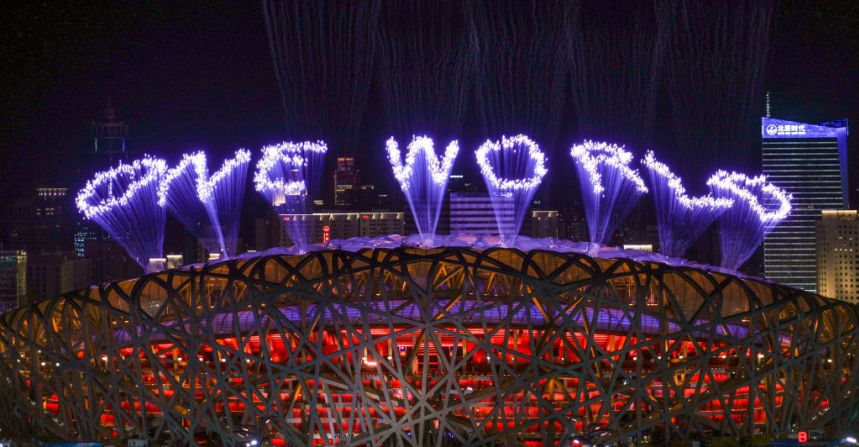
column 838, row 255
column 85, row 231
column 108, row 145
column 543, row 223
column 13, row 279
column 346, row 184
column 53, row 219
column 810, row 162
column 109, row 136
column 472, row 213
column 40, row 222
column 109, row 261
column 52, row 274
column 326, row 226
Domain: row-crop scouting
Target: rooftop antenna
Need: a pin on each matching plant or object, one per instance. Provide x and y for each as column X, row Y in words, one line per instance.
column 768, row 105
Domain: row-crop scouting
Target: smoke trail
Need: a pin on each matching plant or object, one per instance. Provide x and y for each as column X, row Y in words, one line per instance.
column 715, row 59
column 521, row 65
column 323, row 53
column 426, row 66
column 616, row 53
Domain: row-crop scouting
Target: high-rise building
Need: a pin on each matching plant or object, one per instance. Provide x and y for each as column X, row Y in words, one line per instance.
column 572, row 223
column 109, row 135
column 268, row 232
column 52, row 274
column 52, row 220
column 108, row 145
column 326, row 226
column 838, row 255
column 472, row 212
column 109, row 261
column 810, row 162
column 543, row 223
column 13, row 279
column 41, row 222
column 346, row 183
column 85, row 231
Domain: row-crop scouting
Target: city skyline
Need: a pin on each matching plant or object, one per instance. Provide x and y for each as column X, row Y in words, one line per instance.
column 429, row 222
column 171, row 125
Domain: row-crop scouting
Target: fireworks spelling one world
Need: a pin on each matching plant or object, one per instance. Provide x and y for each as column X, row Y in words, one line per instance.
column 681, row 219
column 129, row 201
column 512, row 169
column 758, row 207
column 610, row 188
column 423, row 180
column 286, row 174
column 208, row 207
column 124, row 202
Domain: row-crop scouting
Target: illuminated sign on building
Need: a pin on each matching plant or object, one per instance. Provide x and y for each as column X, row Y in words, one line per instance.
column 776, row 128
column 810, row 162
column 785, row 129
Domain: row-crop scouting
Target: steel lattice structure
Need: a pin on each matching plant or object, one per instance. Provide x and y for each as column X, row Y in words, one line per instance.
column 446, row 346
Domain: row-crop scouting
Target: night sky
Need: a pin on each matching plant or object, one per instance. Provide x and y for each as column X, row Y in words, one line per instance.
column 188, row 75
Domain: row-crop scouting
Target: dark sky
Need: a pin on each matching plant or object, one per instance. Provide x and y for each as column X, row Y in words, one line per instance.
column 187, row 75
column 184, row 75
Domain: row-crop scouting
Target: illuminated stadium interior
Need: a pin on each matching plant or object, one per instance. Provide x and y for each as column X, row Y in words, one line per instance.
column 446, row 346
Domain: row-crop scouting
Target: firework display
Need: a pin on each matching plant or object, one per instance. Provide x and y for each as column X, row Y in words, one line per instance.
column 124, row 202
column 286, row 174
column 681, row 218
column 610, row 188
column 423, row 178
column 208, row 207
column 758, row 207
column 512, row 169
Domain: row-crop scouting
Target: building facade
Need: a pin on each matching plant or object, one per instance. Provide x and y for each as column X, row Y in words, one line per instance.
column 472, row 212
column 109, row 136
column 346, row 183
column 109, row 261
column 326, row 226
column 39, row 222
column 838, row 255
column 543, row 223
column 52, row 274
column 810, row 162
column 13, row 279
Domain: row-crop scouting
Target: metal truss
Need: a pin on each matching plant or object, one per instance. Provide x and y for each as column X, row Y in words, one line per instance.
column 450, row 346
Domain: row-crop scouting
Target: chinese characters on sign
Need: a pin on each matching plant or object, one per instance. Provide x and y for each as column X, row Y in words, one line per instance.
column 785, row 129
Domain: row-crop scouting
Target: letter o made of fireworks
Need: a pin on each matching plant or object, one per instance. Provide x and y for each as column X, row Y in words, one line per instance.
column 536, row 156
column 99, row 197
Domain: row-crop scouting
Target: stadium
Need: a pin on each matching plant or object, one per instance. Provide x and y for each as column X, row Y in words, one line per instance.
column 443, row 346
